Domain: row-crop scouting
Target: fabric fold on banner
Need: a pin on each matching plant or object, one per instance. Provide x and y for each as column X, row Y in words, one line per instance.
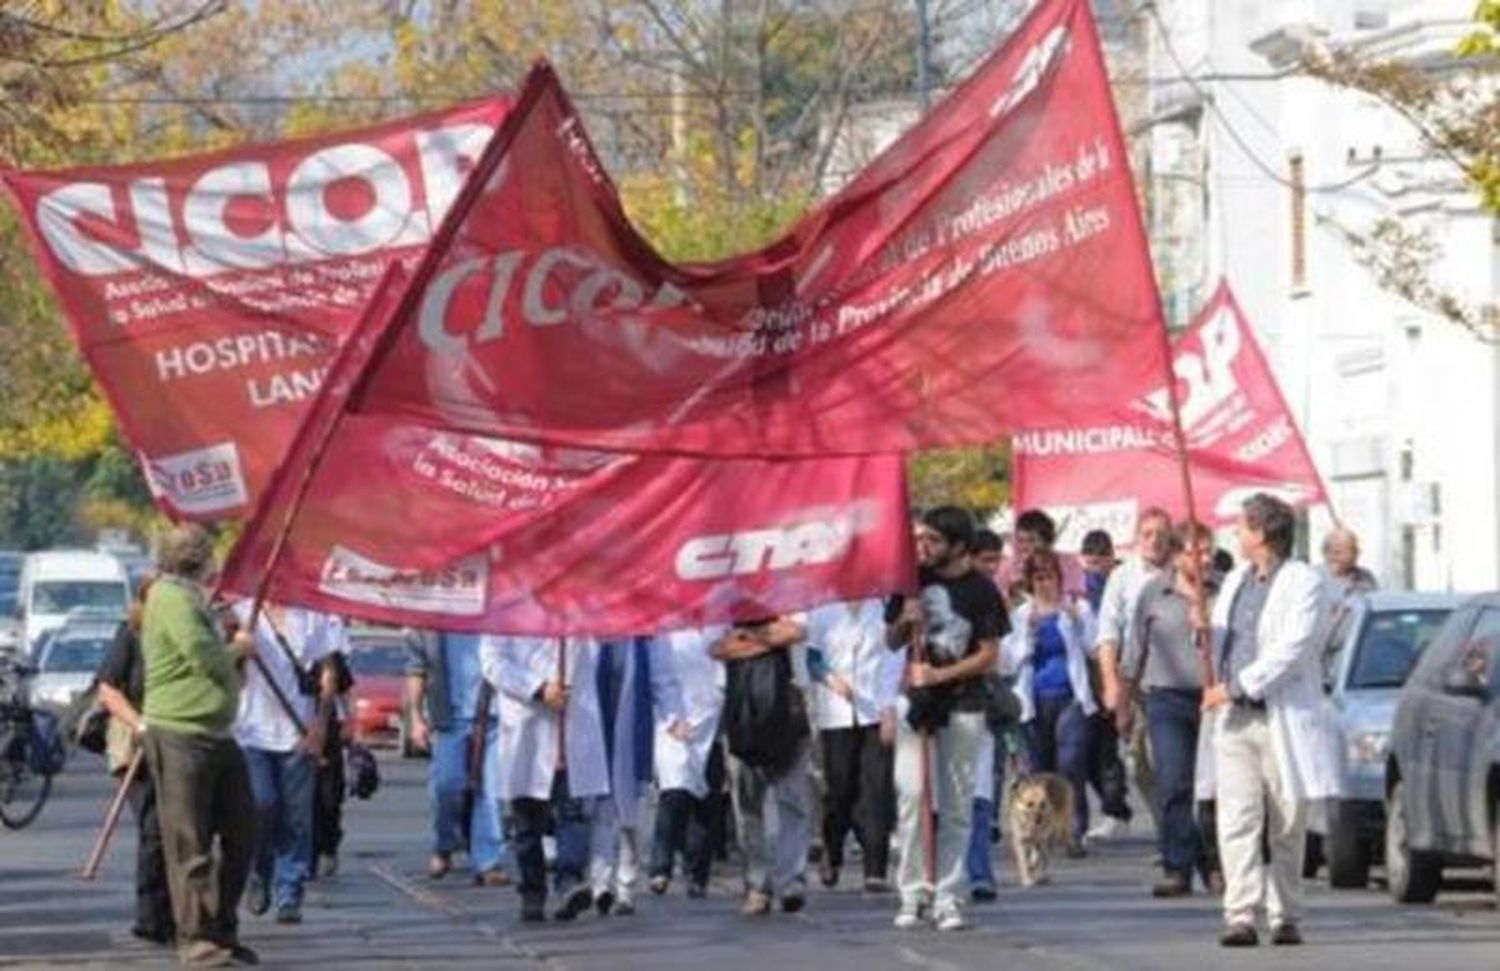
column 987, row 273
column 1241, row 439
column 209, row 293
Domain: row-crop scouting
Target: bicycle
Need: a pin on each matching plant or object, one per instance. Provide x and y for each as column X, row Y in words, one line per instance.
column 30, row 751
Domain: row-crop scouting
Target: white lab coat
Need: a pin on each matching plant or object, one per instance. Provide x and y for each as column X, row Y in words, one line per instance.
column 518, row 667
column 696, row 695
column 1286, row 674
column 1019, row 646
column 853, row 645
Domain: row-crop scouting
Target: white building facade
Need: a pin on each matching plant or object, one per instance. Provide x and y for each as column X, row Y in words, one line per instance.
column 1257, row 174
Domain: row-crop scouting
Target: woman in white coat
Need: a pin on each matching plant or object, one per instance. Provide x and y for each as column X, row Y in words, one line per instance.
column 689, row 763
column 1274, row 744
column 552, row 759
column 1048, row 647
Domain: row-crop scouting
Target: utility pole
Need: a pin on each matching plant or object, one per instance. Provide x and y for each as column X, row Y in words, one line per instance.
column 924, row 56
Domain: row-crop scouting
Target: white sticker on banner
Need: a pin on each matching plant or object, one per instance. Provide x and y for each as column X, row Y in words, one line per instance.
column 1116, row 517
column 204, row 480
column 461, row 588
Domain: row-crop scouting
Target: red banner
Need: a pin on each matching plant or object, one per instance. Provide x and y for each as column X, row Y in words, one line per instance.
column 412, row 524
column 208, row 294
column 987, row 273
column 1241, row 440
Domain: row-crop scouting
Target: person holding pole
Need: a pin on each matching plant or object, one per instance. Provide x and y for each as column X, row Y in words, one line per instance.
column 1276, row 749
column 953, row 630
column 281, row 729
column 453, row 714
column 1160, row 667
column 203, row 792
column 554, row 766
column 122, row 687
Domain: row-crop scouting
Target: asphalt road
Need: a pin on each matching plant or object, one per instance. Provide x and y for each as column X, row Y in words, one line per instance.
column 380, row 911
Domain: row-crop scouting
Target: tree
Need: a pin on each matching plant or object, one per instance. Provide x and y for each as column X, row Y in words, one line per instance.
column 1457, row 114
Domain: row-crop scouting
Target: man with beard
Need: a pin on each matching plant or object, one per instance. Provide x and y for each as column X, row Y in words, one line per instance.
column 953, row 629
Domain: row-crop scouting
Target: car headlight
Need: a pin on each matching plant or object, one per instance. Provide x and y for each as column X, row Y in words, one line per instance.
column 1369, row 747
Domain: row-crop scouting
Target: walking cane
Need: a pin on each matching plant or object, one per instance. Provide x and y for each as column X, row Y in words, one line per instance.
column 112, row 818
column 562, row 713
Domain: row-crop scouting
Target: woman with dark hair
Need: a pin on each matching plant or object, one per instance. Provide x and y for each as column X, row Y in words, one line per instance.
column 122, row 678
column 1048, row 648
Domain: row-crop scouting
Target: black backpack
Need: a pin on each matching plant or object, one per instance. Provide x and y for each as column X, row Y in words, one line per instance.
column 765, row 716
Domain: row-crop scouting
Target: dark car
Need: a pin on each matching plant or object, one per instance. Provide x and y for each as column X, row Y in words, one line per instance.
column 1442, row 776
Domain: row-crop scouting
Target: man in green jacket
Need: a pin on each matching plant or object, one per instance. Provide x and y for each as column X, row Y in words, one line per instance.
column 203, row 788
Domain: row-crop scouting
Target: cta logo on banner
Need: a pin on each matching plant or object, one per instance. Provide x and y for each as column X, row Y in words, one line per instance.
column 209, row 294
column 1241, row 439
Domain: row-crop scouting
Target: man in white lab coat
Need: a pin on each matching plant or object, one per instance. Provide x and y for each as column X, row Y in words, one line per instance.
column 1275, row 746
column 689, row 762
column 552, row 759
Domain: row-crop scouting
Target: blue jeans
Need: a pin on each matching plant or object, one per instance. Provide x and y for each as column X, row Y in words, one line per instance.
column 1057, row 740
column 981, row 868
column 282, row 784
column 1172, row 725
column 446, row 777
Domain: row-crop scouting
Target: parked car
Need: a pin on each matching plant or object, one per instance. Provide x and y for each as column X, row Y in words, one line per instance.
column 1442, row 776
column 378, row 658
column 1372, row 647
column 12, row 635
column 69, row 661
column 57, row 582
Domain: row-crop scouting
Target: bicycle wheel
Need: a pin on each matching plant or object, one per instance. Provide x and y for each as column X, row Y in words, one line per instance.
column 23, row 792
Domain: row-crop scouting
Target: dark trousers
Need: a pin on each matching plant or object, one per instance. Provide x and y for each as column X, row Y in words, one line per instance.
column 328, row 795
column 1107, row 769
column 203, row 804
column 570, row 821
column 153, row 899
column 1057, row 740
column 1172, row 719
column 690, row 826
column 1208, row 826
column 858, row 771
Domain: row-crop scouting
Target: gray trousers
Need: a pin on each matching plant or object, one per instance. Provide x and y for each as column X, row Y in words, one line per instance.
column 774, row 822
column 1251, row 802
column 954, row 751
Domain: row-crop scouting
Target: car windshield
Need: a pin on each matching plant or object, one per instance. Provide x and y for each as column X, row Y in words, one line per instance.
column 377, row 658
column 61, row 596
column 73, row 655
column 1390, row 644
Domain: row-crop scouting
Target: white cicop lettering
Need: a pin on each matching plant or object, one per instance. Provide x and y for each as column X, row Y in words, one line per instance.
column 57, row 215
column 329, row 234
column 216, row 246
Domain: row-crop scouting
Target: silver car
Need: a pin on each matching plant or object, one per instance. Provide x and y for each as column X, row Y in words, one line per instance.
column 69, row 661
column 1374, row 643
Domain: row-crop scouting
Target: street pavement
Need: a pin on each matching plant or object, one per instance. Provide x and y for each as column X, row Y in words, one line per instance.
column 380, row 911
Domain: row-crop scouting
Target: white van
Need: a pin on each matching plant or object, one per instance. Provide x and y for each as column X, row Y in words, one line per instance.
column 57, row 583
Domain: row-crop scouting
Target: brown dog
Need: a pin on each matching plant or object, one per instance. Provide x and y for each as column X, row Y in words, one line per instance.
column 1040, row 811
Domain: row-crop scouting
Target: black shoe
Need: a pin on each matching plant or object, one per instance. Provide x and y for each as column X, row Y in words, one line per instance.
column 533, row 910
column 257, row 896
column 240, row 954
column 659, row 884
column 793, row 902
column 1076, row 850
column 575, row 903
column 828, row 874
column 1174, row 885
column 289, row 914
column 604, row 903
column 1287, row 934
column 1239, row 935
column 697, row 891
column 982, row 894
column 877, row 885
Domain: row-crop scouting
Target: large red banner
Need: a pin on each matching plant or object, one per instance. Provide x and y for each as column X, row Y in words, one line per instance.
column 987, row 273
column 1240, row 434
column 208, row 294
column 414, row 524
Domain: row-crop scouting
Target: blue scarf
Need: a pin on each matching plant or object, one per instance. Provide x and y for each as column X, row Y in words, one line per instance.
column 609, row 702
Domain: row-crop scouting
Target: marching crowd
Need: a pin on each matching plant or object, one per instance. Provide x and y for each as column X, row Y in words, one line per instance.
column 998, row 694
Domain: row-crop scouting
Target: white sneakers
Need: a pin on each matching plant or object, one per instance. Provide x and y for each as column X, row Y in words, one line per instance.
column 1109, row 828
column 945, row 918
